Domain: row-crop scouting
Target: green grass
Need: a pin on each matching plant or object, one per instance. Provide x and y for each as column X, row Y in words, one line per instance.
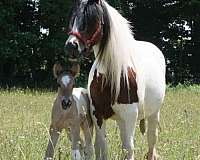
column 25, row 118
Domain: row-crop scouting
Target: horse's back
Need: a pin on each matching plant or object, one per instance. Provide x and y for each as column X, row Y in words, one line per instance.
column 152, row 66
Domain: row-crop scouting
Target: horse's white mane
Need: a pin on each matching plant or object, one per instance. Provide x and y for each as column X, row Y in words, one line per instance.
column 119, row 52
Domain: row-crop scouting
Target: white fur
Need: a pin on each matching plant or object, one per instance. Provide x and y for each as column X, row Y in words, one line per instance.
column 148, row 62
column 74, row 120
column 73, row 39
column 122, row 110
column 121, row 52
column 65, row 80
column 126, row 117
column 76, row 155
column 124, row 51
column 79, row 99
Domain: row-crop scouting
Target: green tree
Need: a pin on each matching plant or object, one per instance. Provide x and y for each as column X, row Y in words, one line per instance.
column 33, row 33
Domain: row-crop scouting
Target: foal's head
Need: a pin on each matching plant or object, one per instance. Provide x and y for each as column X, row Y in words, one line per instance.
column 89, row 25
column 65, row 82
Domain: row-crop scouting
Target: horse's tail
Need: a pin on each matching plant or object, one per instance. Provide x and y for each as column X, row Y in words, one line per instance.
column 141, row 95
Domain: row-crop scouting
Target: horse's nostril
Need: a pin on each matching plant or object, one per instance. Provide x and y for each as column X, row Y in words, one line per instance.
column 75, row 45
column 71, row 49
column 71, row 46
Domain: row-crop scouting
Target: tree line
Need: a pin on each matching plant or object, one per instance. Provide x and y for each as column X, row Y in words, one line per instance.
column 33, row 33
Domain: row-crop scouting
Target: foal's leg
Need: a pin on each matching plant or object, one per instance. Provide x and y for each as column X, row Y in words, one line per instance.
column 127, row 124
column 75, row 136
column 54, row 135
column 88, row 134
column 152, row 134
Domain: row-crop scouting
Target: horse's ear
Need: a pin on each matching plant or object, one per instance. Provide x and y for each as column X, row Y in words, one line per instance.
column 75, row 70
column 57, row 69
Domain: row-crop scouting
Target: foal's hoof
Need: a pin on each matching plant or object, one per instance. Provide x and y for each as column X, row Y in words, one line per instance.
column 48, row 158
column 151, row 156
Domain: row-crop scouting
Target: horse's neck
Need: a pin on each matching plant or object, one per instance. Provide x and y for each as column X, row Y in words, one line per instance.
column 119, row 49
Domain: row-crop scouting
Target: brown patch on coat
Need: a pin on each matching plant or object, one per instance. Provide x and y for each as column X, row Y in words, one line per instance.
column 102, row 98
column 128, row 96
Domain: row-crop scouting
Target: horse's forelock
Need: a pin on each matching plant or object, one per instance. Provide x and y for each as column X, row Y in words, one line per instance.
column 99, row 10
column 90, row 9
column 106, row 31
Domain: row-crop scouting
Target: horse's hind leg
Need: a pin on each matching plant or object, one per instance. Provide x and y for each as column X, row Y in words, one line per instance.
column 152, row 134
column 127, row 125
column 54, row 135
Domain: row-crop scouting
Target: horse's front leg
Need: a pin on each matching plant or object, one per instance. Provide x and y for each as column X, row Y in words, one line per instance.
column 54, row 135
column 127, row 123
column 75, row 137
column 100, row 141
column 152, row 134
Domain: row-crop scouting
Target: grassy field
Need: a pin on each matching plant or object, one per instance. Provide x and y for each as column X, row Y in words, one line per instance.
column 25, row 117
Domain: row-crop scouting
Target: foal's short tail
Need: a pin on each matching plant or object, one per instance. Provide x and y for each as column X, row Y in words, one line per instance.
column 142, row 126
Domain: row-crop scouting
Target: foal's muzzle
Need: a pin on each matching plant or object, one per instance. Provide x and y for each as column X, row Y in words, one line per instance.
column 66, row 103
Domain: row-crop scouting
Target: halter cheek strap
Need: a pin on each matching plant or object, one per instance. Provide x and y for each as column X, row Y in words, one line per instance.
column 90, row 41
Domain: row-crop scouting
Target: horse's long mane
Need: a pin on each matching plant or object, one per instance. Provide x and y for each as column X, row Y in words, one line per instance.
column 115, row 56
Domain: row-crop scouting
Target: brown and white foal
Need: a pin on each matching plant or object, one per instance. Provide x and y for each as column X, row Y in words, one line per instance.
column 71, row 112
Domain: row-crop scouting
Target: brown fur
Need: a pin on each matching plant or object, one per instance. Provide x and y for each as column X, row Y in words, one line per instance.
column 74, row 118
column 102, row 99
column 74, row 70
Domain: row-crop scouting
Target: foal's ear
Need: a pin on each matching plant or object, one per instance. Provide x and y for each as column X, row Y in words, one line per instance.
column 57, row 69
column 75, row 70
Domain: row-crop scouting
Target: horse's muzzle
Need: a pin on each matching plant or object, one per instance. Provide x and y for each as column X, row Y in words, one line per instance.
column 71, row 50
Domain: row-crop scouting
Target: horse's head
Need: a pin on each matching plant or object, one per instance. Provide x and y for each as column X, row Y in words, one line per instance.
column 65, row 82
column 88, row 26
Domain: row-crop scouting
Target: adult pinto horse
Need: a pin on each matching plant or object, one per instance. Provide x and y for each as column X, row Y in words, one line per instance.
column 127, row 79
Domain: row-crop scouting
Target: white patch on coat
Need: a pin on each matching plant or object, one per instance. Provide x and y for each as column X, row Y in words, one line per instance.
column 145, row 58
column 65, row 80
column 76, row 155
column 81, row 102
column 122, row 110
column 72, row 38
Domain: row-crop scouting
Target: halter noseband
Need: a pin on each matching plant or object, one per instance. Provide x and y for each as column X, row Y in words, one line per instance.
column 90, row 41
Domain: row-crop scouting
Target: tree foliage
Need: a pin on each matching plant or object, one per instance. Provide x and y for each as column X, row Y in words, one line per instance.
column 33, row 33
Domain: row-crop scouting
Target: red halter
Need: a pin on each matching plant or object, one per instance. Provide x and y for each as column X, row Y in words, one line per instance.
column 90, row 41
